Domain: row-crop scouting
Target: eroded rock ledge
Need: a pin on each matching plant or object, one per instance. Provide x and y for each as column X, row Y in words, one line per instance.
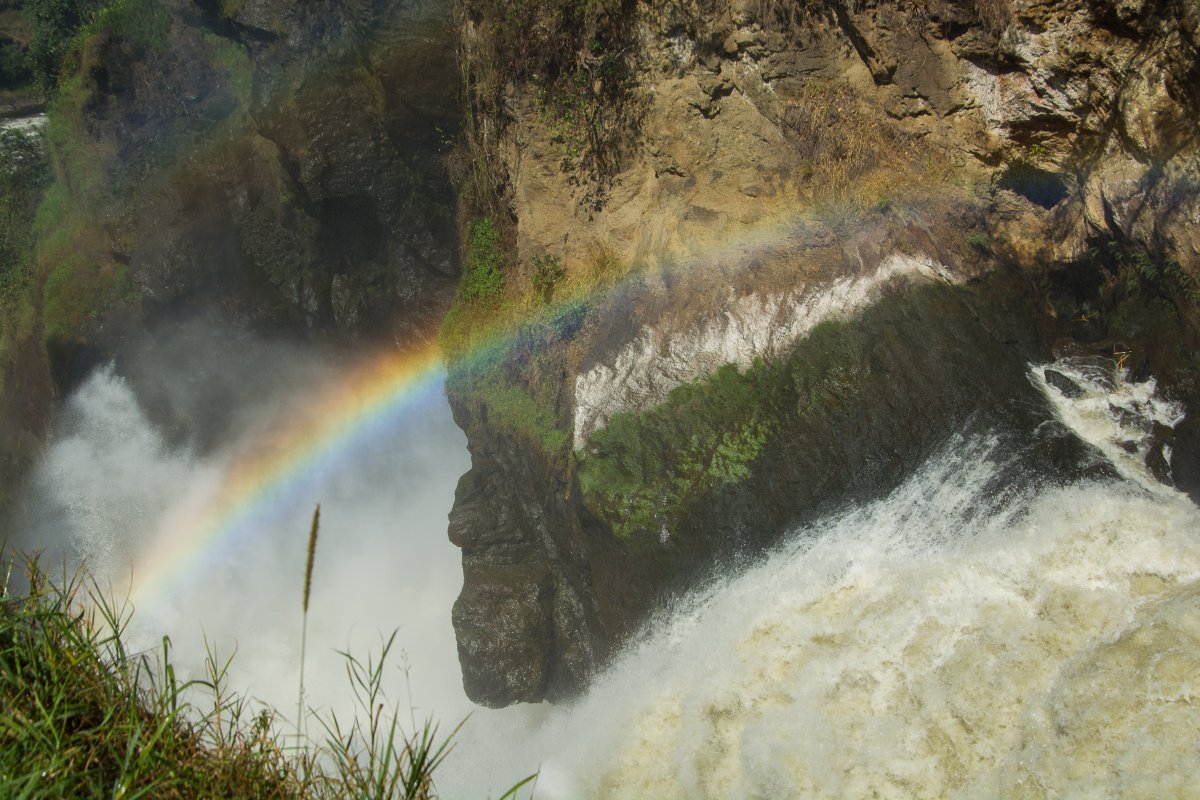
column 743, row 329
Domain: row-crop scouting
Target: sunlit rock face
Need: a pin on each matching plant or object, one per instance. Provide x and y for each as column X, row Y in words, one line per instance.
column 829, row 236
column 742, row 330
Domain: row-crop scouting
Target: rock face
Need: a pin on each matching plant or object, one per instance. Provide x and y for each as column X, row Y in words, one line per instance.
column 276, row 166
column 823, row 240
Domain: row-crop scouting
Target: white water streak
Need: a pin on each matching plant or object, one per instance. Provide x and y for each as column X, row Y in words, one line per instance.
column 646, row 370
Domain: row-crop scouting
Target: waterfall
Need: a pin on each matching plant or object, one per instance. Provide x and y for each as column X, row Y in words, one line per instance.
column 948, row 640
column 967, row 635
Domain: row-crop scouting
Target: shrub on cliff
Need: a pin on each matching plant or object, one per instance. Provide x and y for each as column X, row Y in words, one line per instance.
column 24, row 175
column 483, row 278
column 16, row 69
column 55, row 25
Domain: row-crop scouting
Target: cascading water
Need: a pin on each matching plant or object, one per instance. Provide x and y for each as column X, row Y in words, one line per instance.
column 113, row 480
column 946, row 641
column 966, row 636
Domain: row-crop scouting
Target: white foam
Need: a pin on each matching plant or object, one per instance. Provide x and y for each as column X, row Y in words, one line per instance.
column 1113, row 413
column 928, row 645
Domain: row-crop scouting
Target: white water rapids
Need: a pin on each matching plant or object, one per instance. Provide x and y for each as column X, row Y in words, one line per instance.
column 944, row 641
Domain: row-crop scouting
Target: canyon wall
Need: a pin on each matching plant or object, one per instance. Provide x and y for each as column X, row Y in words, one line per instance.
column 732, row 263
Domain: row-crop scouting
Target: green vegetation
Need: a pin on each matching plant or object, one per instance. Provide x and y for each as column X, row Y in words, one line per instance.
column 980, row 241
column 477, row 311
column 1143, row 274
column 56, row 24
column 641, row 471
column 79, row 278
column 142, row 22
column 576, row 57
column 235, row 61
column 483, row 267
column 16, row 68
column 548, row 274
column 644, row 471
column 61, row 27
column 515, row 409
column 85, row 717
column 24, row 176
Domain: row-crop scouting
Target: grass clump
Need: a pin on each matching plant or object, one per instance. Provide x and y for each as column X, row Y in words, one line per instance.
column 86, row 717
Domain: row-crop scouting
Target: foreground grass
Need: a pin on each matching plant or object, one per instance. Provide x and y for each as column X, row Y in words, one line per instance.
column 82, row 717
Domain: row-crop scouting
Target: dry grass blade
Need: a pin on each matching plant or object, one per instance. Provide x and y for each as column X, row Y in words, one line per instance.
column 312, row 554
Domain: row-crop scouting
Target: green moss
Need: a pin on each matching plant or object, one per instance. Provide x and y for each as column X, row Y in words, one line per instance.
column 24, row 174
column 645, row 470
column 232, row 58
column 76, row 290
column 78, row 160
column 515, row 410
column 642, row 470
column 144, row 22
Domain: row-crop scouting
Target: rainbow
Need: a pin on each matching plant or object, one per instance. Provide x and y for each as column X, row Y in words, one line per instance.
column 280, row 467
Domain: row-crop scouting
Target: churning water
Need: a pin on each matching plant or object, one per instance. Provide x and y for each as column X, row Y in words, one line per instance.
column 948, row 640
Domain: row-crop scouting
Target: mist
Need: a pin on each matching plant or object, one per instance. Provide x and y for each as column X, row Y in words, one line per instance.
column 921, row 591
column 149, row 438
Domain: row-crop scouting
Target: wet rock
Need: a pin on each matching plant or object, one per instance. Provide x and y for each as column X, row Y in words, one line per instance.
column 1185, row 457
column 502, row 620
column 1069, row 388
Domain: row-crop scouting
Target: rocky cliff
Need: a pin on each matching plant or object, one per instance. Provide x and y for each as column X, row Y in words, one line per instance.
column 730, row 263
column 273, row 166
